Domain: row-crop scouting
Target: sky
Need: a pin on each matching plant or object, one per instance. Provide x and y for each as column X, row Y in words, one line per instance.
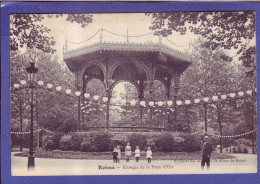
column 135, row 23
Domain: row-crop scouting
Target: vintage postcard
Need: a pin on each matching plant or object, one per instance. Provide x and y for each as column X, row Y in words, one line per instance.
column 133, row 93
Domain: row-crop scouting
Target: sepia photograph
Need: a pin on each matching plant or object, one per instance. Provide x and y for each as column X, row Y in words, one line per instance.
column 154, row 93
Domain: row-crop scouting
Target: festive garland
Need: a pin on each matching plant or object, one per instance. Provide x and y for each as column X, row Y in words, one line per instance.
column 176, row 133
column 168, row 104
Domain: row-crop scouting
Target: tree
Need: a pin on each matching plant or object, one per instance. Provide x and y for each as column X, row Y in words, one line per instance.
column 227, row 30
column 48, row 103
column 27, row 30
column 210, row 75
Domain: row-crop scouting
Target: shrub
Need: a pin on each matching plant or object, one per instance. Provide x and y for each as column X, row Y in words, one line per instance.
column 191, row 143
column 65, row 142
column 102, row 141
column 244, row 142
column 234, row 150
column 121, row 143
column 48, row 143
column 76, row 141
column 245, row 150
column 239, row 150
column 165, row 142
column 151, row 143
column 56, row 139
column 137, row 139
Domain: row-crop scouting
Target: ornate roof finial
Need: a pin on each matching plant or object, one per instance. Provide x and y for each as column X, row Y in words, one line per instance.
column 101, row 35
column 66, row 46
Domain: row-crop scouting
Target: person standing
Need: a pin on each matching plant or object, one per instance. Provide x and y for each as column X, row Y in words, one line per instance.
column 115, row 155
column 128, row 151
column 137, row 153
column 149, row 154
column 206, row 152
column 118, row 153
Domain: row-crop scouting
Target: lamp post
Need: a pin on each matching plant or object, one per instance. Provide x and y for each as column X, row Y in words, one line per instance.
column 187, row 102
column 78, row 93
column 31, row 71
column 206, row 99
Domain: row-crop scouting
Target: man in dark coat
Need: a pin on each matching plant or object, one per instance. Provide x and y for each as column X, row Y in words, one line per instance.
column 206, row 152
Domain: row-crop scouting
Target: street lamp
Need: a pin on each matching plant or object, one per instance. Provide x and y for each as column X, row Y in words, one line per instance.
column 31, row 71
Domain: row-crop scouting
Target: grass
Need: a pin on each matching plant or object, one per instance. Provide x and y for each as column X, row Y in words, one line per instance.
column 58, row 154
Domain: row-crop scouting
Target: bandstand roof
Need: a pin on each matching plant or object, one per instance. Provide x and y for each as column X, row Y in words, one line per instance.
column 151, row 51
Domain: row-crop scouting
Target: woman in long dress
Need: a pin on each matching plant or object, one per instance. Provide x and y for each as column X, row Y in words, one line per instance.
column 128, row 151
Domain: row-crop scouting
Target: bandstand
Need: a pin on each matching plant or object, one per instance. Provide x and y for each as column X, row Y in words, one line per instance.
column 138, row 63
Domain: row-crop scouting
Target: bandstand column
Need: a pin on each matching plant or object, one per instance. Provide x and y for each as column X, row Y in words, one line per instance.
column 151, row 91
column 176, row 90
column 78, row 89
column 141, row 97
column 168, row 94
column 107, row 109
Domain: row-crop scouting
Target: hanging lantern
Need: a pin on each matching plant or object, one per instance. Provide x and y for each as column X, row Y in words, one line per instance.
column 197, row 100
column 23, row 82
column 232, row 95
column 151, row 103
column 241, row 93
column 68, row 91
column 215, row 98
column 132, row 102
column 142, row 103
column 40, row 83
column 249, row 92
column 169, row 102
column 16, row 85
column 105, row 99
column 49, row 86
column 223, row 97
column 179, row 102
column 77, row 93
column 206, row 99
column 160, row 103
column 86, row 95
column 58, row 88
column 187, row 102
column 96, row 97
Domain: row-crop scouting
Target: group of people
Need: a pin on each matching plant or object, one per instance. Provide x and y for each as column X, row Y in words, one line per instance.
column 206, row 153
column 128, row 152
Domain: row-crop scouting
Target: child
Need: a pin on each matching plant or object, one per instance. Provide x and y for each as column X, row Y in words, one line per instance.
column 128, row 151
column 115, row 153
column 149, row 154
column 137, row 153
column 118, row 153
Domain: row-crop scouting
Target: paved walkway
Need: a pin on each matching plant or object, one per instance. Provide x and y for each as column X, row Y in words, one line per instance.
column 244, row 163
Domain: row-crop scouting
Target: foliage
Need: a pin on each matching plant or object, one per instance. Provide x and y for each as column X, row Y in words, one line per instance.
column 48, row 143
column 136, row 139
column 26, row 30
column 191, row 143
column 102, row 141
column 243, row 141
column 165, row 142
column 76, row 141
column 52, row 142
column 65, row 143
column 228, row 30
